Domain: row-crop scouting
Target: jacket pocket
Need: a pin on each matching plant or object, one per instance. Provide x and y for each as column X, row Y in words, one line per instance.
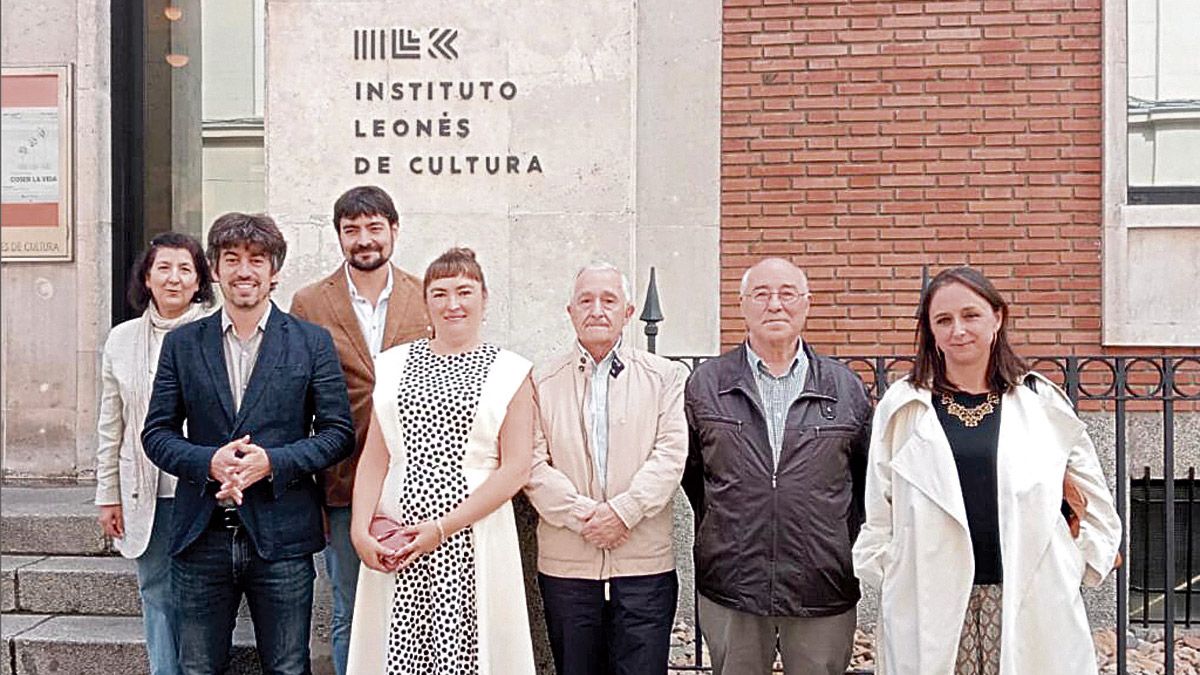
column 715, row 556
column 290, row 380
column 719, row 420
column 721, row 444
column 1073, row 552
column 290, row 371
column 893, row 552
column 835, row 430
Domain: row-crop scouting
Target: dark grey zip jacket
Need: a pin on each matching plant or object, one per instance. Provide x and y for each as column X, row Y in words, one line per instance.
column 775, row 540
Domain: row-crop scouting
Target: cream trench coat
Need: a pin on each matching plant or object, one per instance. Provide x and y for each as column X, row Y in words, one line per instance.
column 124, row 475
column 916, row 548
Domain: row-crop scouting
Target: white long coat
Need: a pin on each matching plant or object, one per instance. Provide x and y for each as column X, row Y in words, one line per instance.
column 915, row 545
column 124, row 475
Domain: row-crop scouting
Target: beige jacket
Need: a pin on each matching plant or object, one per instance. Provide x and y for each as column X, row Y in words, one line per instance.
column 124, row 475
column 647, row 449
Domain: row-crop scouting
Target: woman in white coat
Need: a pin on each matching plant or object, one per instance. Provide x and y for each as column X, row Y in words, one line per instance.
column 965, row 534
column 171, row 286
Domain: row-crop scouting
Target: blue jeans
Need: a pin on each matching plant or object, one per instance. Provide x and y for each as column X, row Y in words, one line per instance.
column 211, row 576
column 158, row 602
column 341, row 564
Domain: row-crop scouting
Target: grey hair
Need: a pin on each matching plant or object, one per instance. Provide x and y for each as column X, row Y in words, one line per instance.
column 746, row 275
column 603, row 266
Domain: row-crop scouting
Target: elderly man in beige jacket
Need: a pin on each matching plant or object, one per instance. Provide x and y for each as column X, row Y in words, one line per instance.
column 609, row 453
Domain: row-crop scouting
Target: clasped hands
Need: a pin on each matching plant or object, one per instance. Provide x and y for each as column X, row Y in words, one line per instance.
column 237, row 465
column 420, row 539
column 602, row 527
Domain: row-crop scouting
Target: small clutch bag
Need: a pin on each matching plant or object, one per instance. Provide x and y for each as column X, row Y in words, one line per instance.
column 389, row 532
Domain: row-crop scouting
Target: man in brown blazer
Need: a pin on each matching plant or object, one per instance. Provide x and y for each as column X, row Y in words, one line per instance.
column 368, row 305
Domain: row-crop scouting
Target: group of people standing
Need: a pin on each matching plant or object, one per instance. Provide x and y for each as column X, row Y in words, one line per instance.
column 373, row 422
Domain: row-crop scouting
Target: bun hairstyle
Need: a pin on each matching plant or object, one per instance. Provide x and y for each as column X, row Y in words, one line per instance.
column 455, row 262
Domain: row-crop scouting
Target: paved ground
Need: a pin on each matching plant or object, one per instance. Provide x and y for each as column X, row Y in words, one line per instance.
column 1144, row 655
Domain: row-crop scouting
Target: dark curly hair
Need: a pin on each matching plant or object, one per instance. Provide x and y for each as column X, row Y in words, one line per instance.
column 364, row 200
column 139, row 295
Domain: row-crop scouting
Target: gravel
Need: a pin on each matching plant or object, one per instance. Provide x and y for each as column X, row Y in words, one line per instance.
column 1144, row 654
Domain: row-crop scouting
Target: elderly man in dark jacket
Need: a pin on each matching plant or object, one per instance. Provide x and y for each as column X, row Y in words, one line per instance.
column 775, row 473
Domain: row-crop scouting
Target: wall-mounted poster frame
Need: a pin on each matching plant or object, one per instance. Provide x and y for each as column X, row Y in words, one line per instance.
column 37, row 159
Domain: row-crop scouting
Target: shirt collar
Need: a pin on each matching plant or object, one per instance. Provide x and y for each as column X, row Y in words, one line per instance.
column 227, row 322
column 760, row 366
column 384, row 295
column 608, row 358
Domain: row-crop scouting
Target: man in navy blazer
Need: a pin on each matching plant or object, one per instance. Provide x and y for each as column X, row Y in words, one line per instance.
column 265, row 407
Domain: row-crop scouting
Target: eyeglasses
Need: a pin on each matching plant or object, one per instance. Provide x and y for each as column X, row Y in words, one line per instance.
column 787, row 296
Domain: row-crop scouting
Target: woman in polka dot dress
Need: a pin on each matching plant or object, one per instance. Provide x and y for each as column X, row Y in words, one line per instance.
column 450, row 443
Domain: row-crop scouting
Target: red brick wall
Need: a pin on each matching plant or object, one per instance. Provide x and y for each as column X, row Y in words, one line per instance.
column 863, row 139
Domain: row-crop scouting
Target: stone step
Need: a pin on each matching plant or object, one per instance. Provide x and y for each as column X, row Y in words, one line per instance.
column 71, row 585
column 37, row 644
column 12, row 625
column 60, row 577
column 50, row 521
column 9, row 564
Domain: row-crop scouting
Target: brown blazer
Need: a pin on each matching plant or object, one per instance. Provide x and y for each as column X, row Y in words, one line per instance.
column 327, row 304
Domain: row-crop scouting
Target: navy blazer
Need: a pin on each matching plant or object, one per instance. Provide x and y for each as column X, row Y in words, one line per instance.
column 295, row 407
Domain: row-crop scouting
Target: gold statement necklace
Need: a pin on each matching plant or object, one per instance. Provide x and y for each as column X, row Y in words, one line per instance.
column 971, row 417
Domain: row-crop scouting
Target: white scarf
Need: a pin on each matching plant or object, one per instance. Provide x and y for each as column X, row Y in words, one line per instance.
column 193, row 312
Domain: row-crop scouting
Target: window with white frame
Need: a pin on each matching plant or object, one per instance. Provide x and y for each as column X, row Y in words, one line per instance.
column 1151, row 173
column 233, row 103
column 1163, row 102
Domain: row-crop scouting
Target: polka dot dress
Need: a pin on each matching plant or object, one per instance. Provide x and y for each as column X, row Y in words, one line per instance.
column 434, row 625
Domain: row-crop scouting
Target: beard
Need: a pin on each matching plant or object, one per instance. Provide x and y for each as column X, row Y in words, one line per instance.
column 241, row 301
column 371, row 264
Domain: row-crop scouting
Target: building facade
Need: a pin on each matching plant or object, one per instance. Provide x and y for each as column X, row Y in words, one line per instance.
column 1053, row 143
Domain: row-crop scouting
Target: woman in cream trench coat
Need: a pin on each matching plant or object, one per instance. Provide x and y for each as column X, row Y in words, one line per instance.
column 916, row 547
column 172, row 287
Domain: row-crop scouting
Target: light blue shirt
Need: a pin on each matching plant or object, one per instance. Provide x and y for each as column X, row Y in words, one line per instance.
column 597, row 410
column 778, row 393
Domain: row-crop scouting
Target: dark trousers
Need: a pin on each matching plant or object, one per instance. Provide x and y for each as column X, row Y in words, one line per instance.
column 211, row 576
column 628, row 634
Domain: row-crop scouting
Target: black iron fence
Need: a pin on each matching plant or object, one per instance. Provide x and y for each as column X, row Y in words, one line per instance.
column 1148, row 583
column 1111, row 388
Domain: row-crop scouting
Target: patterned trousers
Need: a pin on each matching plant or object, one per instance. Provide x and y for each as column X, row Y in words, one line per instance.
column 979, row 644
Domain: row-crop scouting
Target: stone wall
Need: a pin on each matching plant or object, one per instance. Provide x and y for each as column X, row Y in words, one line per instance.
column 56, row 314
column 542, row 144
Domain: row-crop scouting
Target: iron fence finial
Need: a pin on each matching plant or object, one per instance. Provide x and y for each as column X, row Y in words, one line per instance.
column 651, row 314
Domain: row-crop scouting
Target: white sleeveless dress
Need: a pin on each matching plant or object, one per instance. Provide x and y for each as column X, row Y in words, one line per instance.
column 460, row 609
